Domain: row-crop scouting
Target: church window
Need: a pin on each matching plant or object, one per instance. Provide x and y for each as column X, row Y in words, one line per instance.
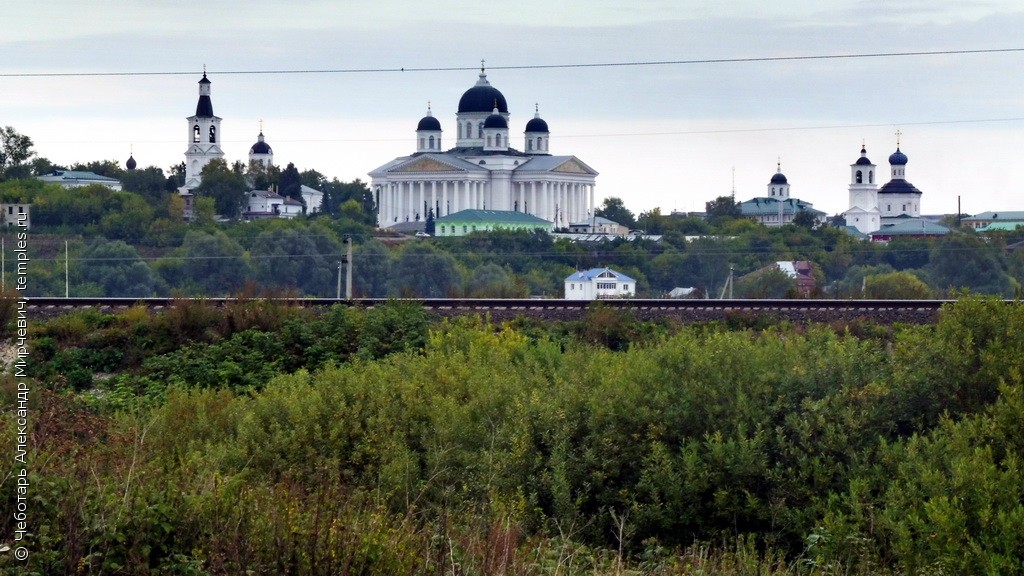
column 195, row 133
column 431, row 141
column 888, row 207
column 469, row 129
column 529, row 144
column 421, row 143
column 480, row 130
column 497, row 140
column 904, row 209
column 540, row 145
column 871, row 176
column 213, row 133
column 860, row 177
column 488, row 141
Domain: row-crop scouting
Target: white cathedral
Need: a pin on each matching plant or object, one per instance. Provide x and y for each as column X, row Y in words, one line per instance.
column 871, row 206
column 483, row 171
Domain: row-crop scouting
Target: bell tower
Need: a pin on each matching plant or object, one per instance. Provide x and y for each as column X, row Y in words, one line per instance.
column 204, row 137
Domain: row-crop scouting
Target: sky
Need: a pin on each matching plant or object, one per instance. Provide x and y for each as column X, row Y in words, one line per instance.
column 104, row 79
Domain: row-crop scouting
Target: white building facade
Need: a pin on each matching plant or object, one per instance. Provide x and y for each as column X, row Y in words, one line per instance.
column 863, row 213
column 483, row 171
column 598, row 283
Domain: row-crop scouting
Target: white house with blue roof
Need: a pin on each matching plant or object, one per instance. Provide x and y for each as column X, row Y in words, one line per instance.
column 483, row 171
column 599, row 283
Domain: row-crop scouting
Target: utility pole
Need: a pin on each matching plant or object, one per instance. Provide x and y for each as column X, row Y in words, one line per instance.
column 348, row 268
column 67, row 289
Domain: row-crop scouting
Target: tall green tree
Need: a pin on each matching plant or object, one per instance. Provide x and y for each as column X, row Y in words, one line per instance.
column 423, row 271
column 15, row 151
column 225, row 187
column 614, row 209
column 722, row 209
column 115, row 268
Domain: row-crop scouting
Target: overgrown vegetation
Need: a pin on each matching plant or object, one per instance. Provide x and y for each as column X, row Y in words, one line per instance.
column 261, row 439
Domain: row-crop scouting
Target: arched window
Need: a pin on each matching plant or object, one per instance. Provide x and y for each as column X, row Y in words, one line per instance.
column 871, row 176
column 213, row 133
column 529, row 144
column 421, row 143
column 469, row 129
column 860, row 177
column 497, row 140
column 488, row 141
column 480, row 130
column 431, row 142
column 195, row 133
column 540, row 145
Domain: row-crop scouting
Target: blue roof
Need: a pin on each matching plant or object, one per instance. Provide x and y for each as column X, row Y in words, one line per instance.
column 898, row 186
column 595, row 273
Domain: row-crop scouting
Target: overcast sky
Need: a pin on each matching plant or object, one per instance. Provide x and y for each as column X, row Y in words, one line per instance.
column 666, row 135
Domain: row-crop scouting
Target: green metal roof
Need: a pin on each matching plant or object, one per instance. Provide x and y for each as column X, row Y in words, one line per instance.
column 493, row 217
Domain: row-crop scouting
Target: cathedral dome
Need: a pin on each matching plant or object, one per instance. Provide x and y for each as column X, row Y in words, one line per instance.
column 260, row 147
column 898, row 158
column 537, row 125
column 429, row 123
column 496, row 120
column 779, row 178
column 130, row 164
column 482, row 97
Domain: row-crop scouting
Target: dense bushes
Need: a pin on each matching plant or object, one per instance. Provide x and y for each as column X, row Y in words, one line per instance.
column 478, row 449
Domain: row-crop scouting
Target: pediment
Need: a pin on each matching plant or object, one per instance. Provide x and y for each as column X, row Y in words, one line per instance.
column 571, row 166
column 426, row 165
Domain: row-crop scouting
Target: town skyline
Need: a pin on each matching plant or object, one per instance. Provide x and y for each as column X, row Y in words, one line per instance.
column 660, row 135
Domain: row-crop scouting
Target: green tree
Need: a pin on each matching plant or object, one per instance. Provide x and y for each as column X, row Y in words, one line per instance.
column 206, row 264
column 768, row 283
column 805, row 219
column 15, row 151
column 614, row 209
column 149, row 182
column 371, row 270
column 115, row 268
column 289, row 256
column 290, row 184
column 225, row 187
column 901, row 285
column 722, row 209
column 961, row 260
column 423, row 271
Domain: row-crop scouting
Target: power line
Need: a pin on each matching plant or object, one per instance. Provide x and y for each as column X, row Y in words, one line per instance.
column 631, row 63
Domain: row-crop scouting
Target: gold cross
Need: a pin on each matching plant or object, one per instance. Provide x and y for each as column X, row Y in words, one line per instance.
column 898, row 134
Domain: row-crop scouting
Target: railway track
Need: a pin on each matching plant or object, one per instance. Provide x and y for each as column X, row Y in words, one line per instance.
column 915, row 311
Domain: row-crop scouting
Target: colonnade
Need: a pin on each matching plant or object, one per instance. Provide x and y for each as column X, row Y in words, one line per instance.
column 561, row 202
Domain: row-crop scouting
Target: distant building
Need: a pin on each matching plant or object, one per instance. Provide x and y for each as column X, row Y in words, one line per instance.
column 598, row 283
column 801, row 271
column 265, row 204
column 776, row 208
column 987, row 219
column 598, row 225
column 78, row 179
column 260, row 153
column 313, row 198
column 483, row 171
column 863, row 214
column 909, row 228
column 468, row 221
column 15, row 214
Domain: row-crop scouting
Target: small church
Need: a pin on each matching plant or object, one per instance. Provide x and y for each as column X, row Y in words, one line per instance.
column 872, row 207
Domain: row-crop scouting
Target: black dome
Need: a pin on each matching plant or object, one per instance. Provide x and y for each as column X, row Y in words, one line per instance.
column 483, row 98
column 779, row 178
column 537, row 125
column 260, row 147
column 130, row 164
column 496, row 121
column 899, row 187
column 863, row 161
column 429, row 123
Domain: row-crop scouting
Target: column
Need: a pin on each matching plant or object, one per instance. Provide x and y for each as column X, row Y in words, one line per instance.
column 433, row 200
column 533, row 197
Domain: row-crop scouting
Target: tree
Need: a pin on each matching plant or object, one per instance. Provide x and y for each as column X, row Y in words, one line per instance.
column 371, row 269
column 966, row 261
column 291, row 256
column 896, row 286
column 206, row 264
column 429, row 226
column 805, row 219
column 225, row 187
column 424, row 272
column 722, row 209
column 769, row 283
column 290, row 184
column 116, row 269
column 149, row 182
column 15, row 151
column 615, row 210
